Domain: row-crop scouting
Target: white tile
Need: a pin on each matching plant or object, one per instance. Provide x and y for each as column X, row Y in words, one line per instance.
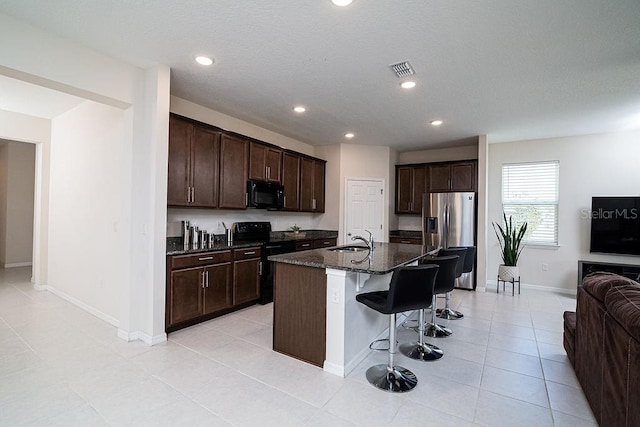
column 234, row 325
column 552, row 352
column 511, row 330
column 182, row 412
column 324, row 418
column 445, row 396
column 81, row 416
column 363, row 404
column 549, row 337
column 514, row 385
column 517, row 345
column 569, row 400
column 559, row 372
column 514, row 362
column 412, row 413
column 561, row 419
column 497, row 410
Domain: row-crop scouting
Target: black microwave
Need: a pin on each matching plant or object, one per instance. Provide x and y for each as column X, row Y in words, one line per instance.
column 265, row 195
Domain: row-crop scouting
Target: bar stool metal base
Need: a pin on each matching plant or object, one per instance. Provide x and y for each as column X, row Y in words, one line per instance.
column 396, row 380
column 437, row 331
column 449, row 314
column 425, row 351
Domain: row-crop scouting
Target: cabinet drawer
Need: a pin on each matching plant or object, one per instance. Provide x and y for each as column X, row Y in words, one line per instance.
column 246, row 253
column 324, row 243
column 304, row 245
column 409, row 240
column 205, row 258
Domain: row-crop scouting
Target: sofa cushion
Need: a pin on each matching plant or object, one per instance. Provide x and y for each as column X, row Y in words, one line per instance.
column 623, row 304
column 598, row 284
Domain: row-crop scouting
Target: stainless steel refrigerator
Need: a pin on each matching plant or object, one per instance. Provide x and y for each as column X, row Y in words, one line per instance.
column 448, row 220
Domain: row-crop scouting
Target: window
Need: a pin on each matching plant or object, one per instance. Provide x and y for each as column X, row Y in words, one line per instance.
column 530, row 193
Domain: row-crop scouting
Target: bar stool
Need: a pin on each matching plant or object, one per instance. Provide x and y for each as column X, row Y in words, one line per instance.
column 445, row 281
column 421, row 350
column 407, row 286
column 447, row 312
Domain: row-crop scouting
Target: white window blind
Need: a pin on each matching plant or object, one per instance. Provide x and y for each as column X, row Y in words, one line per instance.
column 530, row 193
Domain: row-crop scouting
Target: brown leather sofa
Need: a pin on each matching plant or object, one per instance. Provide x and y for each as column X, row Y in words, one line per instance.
column 602, row 340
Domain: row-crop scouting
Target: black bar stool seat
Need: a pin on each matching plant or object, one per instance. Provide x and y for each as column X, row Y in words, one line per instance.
column 406, row 292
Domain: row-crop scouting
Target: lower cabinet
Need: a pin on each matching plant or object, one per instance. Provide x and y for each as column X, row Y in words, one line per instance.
column 409, row 240
column 206, row 285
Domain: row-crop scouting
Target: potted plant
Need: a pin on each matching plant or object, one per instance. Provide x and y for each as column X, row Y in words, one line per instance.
column 295, row 228
column 510, row 239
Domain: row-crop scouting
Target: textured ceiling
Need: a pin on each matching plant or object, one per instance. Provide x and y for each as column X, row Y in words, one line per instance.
column 511, row 69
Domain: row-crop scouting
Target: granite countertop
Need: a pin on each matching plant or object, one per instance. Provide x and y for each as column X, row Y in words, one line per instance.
column 385, row 258
column 175, row 246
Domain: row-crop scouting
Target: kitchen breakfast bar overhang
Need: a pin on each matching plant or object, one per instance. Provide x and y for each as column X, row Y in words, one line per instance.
column 316, row 317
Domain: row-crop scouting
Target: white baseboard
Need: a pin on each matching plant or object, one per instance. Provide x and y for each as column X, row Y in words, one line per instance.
column 18, row 264
column 491, row 286
column 38, row 287
column 137, row 335
column 92, row 310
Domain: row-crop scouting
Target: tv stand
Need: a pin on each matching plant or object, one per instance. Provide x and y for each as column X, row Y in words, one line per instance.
column 627, row 270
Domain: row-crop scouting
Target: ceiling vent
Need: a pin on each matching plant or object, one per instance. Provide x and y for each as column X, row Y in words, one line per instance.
column 402, row 69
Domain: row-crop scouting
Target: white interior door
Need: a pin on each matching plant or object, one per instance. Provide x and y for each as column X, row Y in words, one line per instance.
column 364, row 209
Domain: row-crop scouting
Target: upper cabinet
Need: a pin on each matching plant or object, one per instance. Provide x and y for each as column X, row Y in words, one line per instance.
column 291, row 181
column 411, row 183
column 209, row 168
column 453, row 176
column 414, row 180
column 193, row 164
column 265, row 162
column 233, row 172
column 312, row 181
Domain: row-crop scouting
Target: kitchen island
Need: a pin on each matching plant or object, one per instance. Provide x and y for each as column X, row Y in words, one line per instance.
column 316, row 317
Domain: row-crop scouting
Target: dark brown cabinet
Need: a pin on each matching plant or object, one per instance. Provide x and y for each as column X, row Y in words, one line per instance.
column 291, row 181
column 324, row 243
column 233, row 172
column 312, row 181
column 193, row 164
column 411, row 184
column 246, row 275
column 197, row 285
column 407, row 240
column 454, row 176
column 264, row 162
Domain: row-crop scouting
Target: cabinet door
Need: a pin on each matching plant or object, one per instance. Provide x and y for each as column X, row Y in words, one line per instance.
column 419, row 188
column 306, row 185
column 178, row 181
column 205, row 147
column 257, row 165
column 439, row 178
column 291, row 181
column 273, row 163
column 404, row 189
column 185, row 296
column 324, row 243
column 318, row 186
column 246, row 280
column 217, row 291
column 463, row 176
column 233, row 172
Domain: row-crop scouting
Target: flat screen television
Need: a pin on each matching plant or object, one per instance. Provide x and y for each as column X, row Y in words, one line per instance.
column 615, row 225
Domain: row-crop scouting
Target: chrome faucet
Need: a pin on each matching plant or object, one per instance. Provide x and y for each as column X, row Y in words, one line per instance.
column 369, row 242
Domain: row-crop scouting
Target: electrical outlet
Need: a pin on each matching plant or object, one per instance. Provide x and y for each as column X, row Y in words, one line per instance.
column 545, row 266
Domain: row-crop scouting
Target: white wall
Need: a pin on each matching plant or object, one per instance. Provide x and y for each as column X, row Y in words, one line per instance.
column 16, row 203
column 605, row 164
column 143, row 97
column 86, row 209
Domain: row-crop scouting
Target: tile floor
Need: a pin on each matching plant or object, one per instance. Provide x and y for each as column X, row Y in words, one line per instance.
column 59, row 366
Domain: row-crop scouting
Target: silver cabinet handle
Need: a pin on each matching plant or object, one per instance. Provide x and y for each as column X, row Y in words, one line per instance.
column 285, row 201
column 202, row 279
column 405, row 241
column 246, row 199
column 268, row 172
column 207, row 277
column 306, row 245
column 313, row 204
column 260, row 268
column 250, row 253
column 193, row 194
column 205, row 258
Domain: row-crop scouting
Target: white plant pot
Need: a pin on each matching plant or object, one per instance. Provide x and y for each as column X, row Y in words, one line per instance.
column 508, row 272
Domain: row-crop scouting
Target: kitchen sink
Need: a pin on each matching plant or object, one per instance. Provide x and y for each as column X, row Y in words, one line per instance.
column 350, row 248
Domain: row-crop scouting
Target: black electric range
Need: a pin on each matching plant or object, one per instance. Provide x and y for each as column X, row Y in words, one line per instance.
column 260, row 231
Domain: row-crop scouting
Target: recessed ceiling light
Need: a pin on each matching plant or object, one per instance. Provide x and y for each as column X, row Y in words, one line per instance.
column 409, row 84
column 342, row 3
column 349, row 135
column 299, row 109
column 203, row 60
column 436, row 122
